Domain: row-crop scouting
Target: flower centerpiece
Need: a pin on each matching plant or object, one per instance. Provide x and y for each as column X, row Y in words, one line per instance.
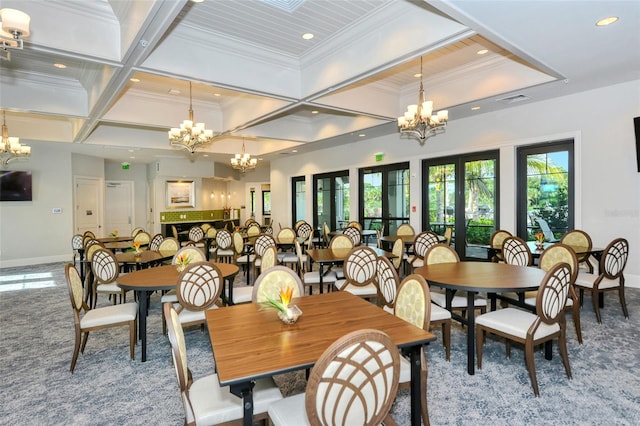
column 114, row 234
column 287, row 313
column 539, row 240
column 182, row 261
column 136, row 248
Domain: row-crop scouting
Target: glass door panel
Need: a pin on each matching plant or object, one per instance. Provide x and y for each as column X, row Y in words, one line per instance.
column 480, row 205
column 384, row 197
column 331, row 203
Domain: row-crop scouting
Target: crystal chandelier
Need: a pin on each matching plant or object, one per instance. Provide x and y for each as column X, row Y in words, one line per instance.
column 11, row 148
column 190, row 135
column 243, row 162
column 418, row 121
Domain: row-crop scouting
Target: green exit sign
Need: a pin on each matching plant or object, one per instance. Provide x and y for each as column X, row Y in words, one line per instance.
column 126, row 166
column 379, row 156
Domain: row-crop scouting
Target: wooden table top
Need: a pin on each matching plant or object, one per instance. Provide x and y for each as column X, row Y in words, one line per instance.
column 482, row 276
column 115, row 239
column 406, row 239
column 163, row 277
column 118, row 245
column 325, row 255
column 146, row 256
column 250, row 343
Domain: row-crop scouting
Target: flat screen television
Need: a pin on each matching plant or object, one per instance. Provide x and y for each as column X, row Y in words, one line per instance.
column 15, row 186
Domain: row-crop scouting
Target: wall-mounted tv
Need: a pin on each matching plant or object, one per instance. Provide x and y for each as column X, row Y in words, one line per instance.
column 15, row 186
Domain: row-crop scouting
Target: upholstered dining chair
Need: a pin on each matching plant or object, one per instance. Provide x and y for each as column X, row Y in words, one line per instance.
column 405, row 229
column 551, row 256
column 531, row 329
column 89, row 234
column 106, row 269
column 198, row 289
column 76, row 246
column 413, row 304
column 304, row 230
column 515, row 251
column 360, row 273
column 242, row 258
column 154, row 244
column 271, row 280
column 224, row 244
column 609, row 278
column 421, row 244
column 448, row 235
column 244, row 294
column 495, row 241
column 354, row 234
column 311, row 278
column 354, row 382
column 196, row 237
column 253, row 230
column 387, row 281
column 354, row 224
column 400, row 257
column 441, row 253
column 262, row 243
column 143, row 238
column 340, row 242
column 578, row 239
column 136, row 231
column 87, row 319
column 204, row 401
column 286, row 234
column 193, row 254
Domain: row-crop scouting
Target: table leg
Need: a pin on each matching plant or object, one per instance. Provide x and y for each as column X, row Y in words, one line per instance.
column 245, row 391
column 321, row 274
column 416, row 394
column 230, row 284
column 143, row 298
column 471, row 332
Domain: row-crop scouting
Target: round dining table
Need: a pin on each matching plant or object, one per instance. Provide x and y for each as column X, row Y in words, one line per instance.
column 161, row 278
column 479, row 277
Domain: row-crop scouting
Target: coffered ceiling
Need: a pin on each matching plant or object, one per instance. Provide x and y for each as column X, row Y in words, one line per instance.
column 255, row 78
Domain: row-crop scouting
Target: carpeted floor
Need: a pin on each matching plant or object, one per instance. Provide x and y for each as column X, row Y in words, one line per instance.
column 36, row 388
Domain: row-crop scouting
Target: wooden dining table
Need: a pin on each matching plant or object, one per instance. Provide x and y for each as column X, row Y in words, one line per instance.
column 476, row 277
column 249, row 343
column 146, row 281
column 408, row 240
column 143, row 259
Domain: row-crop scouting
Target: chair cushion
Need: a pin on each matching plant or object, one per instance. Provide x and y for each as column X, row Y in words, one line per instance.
column 289, row 411
column 213, row 404
column 242, row 294
column 108, row 288
column 458, row 302
column 405, row 370
column 169, row 297
column 109, row 315
column 186, row 316
column 224, row 253
column 438, row 313
column 586, row 280
column 367, row 290
column 313, row 277
column 246, row 258
column 515, row 322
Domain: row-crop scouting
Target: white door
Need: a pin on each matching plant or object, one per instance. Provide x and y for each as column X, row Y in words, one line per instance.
column 119, row 207
column 88, row 212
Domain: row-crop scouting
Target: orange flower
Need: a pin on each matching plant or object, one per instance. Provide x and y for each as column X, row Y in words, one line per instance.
column 183, row 259
column 539, row 237
column 286, row 295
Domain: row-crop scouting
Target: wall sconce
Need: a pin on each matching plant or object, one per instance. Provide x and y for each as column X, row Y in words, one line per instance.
column 213, row 195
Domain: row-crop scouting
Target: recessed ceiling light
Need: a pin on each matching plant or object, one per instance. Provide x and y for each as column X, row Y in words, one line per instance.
column 307, row 36
column 61, row 66
column 205, row 155
column 315, row 111
column 197, row 1
column 259, row 158
column 294, row 150
column 217, row 94
column 131, row 150
column 606, row 21
column 418, row 75
column 132, row 158
column 482, row 51
column 174, row 92
column 134, row 80
column 475, row 108
column 362, row 135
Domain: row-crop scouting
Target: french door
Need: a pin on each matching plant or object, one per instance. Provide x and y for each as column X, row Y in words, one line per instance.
column 384, row 197
column 462, row 192
column 331, row 201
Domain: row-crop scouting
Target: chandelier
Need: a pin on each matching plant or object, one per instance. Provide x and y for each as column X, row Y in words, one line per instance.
column 190, row 135
column 418, row 121
column 243, row 162
column 11, row 149
column 15, row 25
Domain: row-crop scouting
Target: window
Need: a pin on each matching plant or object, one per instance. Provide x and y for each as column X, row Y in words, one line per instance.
column 462, row 192
column 298, row 189
column 545, row 188
column 331, row 201
column 384, row 197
